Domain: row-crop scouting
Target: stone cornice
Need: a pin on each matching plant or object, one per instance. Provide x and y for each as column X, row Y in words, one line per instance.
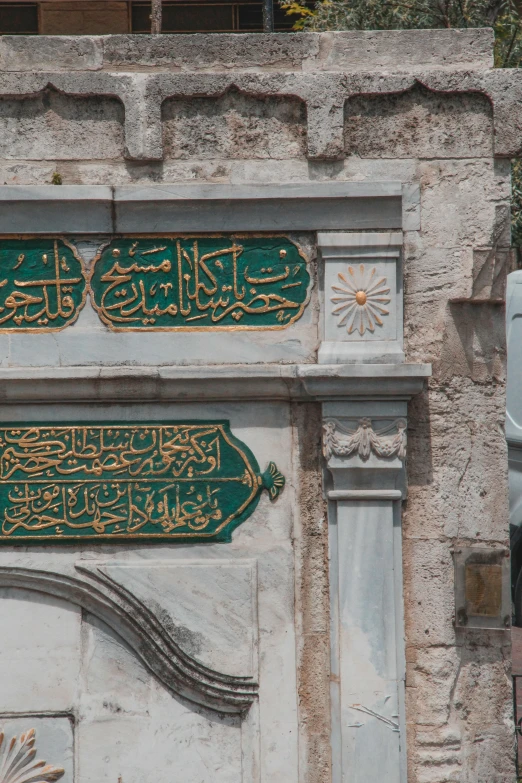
column 201, row 53
column 96, row 209
column 300, row 382
column 143, row 74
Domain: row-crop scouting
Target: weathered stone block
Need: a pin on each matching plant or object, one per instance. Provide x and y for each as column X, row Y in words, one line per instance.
column 67, row 53
column 399, row 50
column 234, row 126
column 55, row 126
column 460, row 490
column 459, row 200
column 429, row 684
column 199, row 52
column 429, row 590
column 418, row 123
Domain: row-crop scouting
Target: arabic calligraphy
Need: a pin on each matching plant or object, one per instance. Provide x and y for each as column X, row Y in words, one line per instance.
column 42, row 285
column 192, row 283
column 200, row 283
column 120, row 481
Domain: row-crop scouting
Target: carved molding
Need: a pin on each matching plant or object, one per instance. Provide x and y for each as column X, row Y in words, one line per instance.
column 143, row 631
column 342, row 441
column 17, row 763
column 143, row 95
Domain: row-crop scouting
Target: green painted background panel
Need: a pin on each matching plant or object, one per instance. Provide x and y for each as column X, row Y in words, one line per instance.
column 120, row 481
column 200, row 283
column 188, row 283
column 42, row 285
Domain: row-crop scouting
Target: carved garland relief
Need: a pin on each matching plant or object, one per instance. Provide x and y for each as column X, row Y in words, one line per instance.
column 168, row 283
column 168, row 481
column 17, row 763
column 339, row 440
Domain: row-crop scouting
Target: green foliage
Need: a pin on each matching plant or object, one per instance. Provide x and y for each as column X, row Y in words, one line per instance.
column 516, row 202
column 508, row 37
column 503, row 15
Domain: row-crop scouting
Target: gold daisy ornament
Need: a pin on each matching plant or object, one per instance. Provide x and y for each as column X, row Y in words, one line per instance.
column 360, row 299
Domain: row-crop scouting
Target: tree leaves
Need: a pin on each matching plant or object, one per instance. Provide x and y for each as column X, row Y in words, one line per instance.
column 503, row 15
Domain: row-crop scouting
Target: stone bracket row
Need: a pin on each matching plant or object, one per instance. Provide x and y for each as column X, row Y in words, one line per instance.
column 324, row 94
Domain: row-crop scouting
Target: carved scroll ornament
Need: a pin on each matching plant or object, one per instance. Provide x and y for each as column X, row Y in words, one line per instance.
column 145, row 632
column 342, row 441
column 17, row 763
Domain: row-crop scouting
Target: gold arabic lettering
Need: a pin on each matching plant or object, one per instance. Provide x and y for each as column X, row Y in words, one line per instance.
column 121, row 480
column 33, row 299
column 253, row 281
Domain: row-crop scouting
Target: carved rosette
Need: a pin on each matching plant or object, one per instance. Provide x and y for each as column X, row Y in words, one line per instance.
column 17, row 763
column 340, row 440
column 360, row 297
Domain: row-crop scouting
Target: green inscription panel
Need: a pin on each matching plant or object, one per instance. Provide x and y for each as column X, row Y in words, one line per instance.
column 200, row 283
column 175, row 481
column 42, row 285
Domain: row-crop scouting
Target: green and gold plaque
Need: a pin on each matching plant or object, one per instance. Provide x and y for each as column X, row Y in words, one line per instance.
column 114, row 482
column 157, row 284
column 42, row 284
column 200, row 283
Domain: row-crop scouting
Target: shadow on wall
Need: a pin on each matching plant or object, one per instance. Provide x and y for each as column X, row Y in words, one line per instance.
column 474, row 343
column 420, row 461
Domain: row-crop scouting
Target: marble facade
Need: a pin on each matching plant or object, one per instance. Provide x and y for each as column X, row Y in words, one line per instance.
column 317, row 645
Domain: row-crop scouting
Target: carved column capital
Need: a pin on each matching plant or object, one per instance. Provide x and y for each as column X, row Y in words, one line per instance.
column 341, row 440
column 364, row 444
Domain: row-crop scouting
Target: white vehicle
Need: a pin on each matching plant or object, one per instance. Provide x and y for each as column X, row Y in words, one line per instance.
column 514, row 432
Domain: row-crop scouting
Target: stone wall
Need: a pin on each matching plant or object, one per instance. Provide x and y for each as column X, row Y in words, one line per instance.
column 424, row 109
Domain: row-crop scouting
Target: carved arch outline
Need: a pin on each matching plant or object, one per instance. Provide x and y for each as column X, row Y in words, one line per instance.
column 137, row 625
